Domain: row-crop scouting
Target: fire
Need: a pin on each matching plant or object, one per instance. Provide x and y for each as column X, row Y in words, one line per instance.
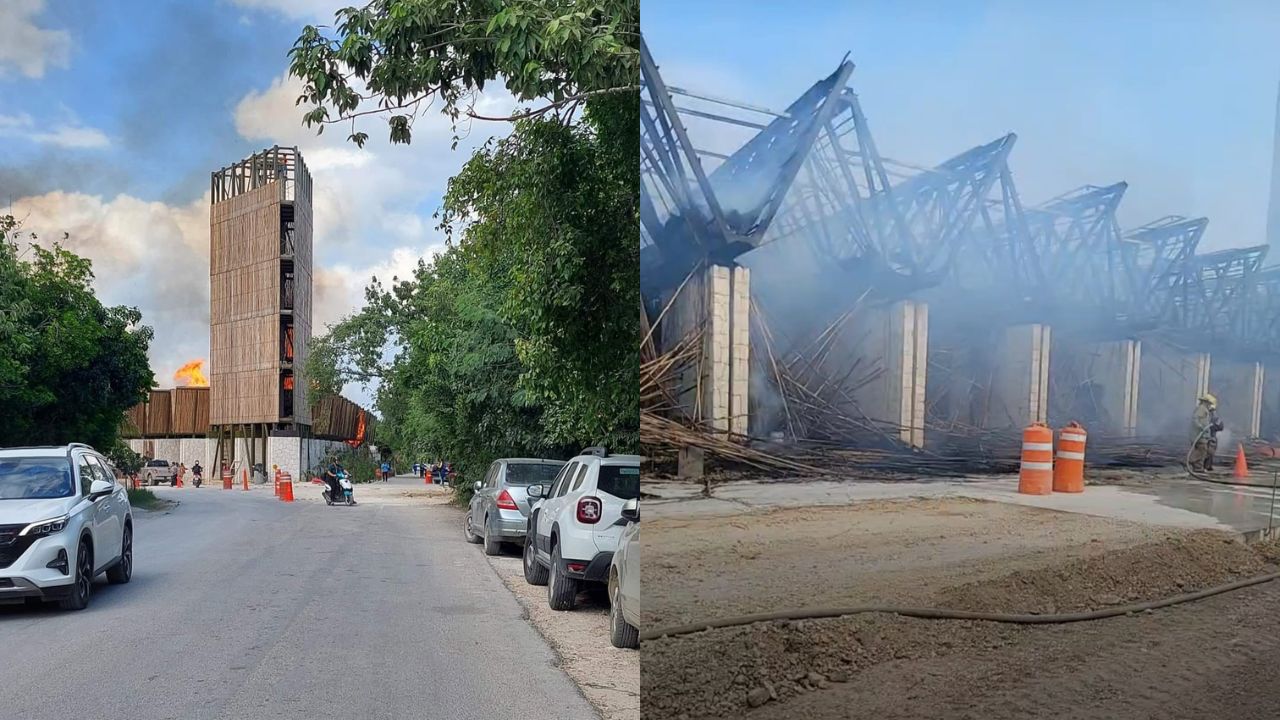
column 191, row 375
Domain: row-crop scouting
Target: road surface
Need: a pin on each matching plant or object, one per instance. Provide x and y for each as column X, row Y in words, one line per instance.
column 245, row 607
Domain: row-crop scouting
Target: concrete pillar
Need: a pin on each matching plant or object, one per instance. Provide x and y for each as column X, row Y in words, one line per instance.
column 718, row 302
column 1020, row 373
column 897, row 336
column 739, row 350
column 1269, row 418
column 1238, row 387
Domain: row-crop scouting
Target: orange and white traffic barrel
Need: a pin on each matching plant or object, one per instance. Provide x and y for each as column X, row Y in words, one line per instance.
column 227, row 479
column 286, row 487
column 1068, row 465
column 1035, row 477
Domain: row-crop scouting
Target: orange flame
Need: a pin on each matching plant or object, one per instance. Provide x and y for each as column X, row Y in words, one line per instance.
column 191, row 375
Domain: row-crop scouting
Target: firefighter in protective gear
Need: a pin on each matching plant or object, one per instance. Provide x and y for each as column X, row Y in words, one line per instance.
column 1205, row 426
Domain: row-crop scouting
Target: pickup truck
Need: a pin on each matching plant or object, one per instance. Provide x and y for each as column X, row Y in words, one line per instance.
column 159, row 471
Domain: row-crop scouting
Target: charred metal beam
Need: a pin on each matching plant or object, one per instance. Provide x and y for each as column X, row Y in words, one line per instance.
column 689, row 215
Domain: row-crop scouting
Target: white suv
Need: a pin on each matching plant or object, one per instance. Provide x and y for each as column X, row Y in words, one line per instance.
column 63, row 520
column 576, row 528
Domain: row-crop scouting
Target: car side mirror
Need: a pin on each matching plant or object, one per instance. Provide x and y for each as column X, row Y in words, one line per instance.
column 535, row 491
column 99, row 489
column 631, row 510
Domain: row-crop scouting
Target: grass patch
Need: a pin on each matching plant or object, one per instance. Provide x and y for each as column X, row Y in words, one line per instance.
column 147, row 500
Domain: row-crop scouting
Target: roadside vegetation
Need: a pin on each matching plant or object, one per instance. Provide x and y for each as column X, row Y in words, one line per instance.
column 72, row 365
column 518, row 339
column 147, row 500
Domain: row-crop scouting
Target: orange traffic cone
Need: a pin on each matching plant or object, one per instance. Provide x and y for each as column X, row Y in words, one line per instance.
column 1242, row 466
column 244, row 476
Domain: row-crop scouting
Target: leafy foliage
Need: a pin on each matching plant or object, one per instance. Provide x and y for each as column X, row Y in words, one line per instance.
column 553, row 215
column 124, row 458
column 404, row 53
column 69, row 367
column 518, row 340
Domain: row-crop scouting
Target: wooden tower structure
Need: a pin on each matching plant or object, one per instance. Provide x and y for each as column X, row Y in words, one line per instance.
column 260, row 301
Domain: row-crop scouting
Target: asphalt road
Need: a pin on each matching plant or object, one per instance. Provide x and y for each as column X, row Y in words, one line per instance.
column 245, row 607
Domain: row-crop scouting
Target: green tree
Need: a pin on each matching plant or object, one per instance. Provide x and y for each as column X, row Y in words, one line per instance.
column 519, row 338
column 407, row 54
column 69, row 367
column 551, row 213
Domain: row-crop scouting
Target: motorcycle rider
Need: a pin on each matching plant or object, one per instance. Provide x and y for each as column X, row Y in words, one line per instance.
column 197, row 474
column 331, row 479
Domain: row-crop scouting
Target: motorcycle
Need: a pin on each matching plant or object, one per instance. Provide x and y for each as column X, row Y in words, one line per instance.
column 197, row 478
column 348, row 497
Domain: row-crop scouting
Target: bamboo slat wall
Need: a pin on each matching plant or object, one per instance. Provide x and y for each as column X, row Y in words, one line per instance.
column 302, row 300
column 244, row 268
column 191, row 411
column 159, row 413
column 181, row 412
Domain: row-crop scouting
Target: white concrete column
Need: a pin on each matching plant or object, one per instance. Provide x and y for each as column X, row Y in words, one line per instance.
column 740, row 351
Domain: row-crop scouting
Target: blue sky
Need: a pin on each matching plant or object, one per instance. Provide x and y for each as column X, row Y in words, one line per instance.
column 1176, row 98
column 115, row 113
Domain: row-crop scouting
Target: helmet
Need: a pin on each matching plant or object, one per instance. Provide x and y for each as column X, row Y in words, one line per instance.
column 1207, row 398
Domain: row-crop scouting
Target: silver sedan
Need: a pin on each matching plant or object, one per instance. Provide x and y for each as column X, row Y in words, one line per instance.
column 499, row 509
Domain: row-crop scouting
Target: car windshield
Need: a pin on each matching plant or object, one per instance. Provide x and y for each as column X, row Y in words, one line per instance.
column 621, row 481
column 157, row 463
column 34, row 478
column 526, row 474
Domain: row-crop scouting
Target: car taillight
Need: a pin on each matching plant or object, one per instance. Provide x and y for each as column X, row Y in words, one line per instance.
column 505, row 502
column 589, row 510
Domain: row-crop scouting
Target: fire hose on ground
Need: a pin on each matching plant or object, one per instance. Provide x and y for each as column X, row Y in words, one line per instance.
column 943, row 614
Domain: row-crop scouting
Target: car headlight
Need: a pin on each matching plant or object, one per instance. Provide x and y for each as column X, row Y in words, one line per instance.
column 45, row 527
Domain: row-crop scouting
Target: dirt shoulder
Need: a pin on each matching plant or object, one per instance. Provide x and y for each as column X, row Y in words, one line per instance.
column 955, row 553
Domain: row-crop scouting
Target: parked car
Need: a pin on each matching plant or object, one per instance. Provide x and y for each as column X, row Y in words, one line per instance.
column 159, row 471
column 63, row 520
column 576, row 529
column 624, row 582
column 499, row 509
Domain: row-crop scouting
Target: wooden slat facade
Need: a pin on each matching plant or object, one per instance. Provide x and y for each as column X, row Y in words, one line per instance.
column 159, row 413
column 190, row 411
column 251, row 248
column 302, row 299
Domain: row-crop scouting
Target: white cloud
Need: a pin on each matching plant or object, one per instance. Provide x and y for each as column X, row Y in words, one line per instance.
column 145, row 254
column 66, row 136
column 26, row 46
column 371, row 204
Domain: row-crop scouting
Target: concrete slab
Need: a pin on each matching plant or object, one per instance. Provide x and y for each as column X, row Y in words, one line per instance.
column 1173, row 502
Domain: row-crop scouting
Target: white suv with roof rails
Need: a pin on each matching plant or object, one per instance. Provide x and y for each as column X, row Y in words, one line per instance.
column 574, row 531
column 63, row 519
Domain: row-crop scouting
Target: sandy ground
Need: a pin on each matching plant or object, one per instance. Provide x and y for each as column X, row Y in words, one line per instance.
column 954, row 553
column 900, row 551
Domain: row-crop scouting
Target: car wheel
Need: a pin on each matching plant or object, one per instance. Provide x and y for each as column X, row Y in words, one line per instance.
column 621, row 633
column 562, row 591
column 492, row 545
column 466, row 531
column 123, row 571
column 83, row 585
column 534, row 572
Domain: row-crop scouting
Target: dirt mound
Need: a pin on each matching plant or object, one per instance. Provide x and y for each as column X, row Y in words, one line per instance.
column 1178, row 564
column 725, row 673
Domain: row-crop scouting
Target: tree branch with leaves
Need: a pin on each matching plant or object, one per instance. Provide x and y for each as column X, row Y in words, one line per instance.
column 397, row 58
